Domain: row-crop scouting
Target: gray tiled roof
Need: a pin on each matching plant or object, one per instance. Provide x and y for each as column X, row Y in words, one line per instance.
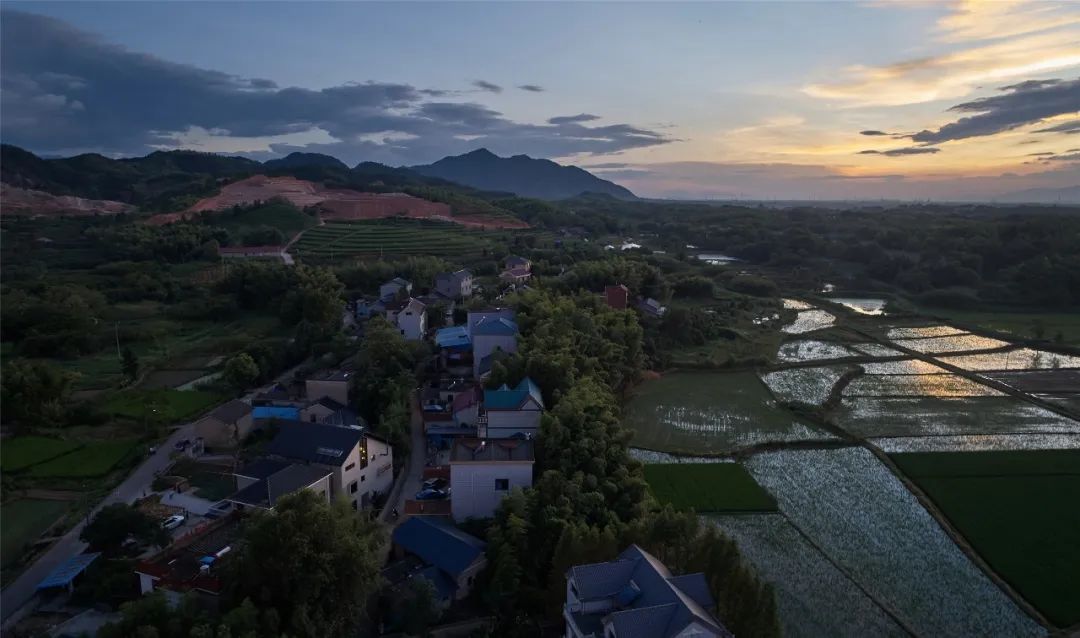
column 231, row 412
column 291, row 478
column 314, row 442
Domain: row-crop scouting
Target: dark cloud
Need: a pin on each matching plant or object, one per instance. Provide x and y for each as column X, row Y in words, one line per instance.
column 1071, row 127
column 573, row 119
column 898, row 152
column 1042, row 154
column 1020, row 104
column 487, row 86
column 605, row 166
column 62, row 90
column 873, row 133
column 532, row 88
column 1068, row 157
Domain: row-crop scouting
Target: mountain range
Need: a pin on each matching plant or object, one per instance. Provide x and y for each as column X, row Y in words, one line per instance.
column 521, row 175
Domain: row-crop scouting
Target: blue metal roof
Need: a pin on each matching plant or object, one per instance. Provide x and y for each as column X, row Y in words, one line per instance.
column 439, row 543
column 67, row 571
column 453, row 337
column 506, row 399
column 275, row 412
column 499, row 326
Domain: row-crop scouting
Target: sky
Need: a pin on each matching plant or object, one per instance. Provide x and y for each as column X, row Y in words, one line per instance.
column 726, row 100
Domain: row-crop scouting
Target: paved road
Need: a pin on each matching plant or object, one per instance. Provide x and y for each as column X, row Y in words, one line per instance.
column 22, row 589
column 414, row 473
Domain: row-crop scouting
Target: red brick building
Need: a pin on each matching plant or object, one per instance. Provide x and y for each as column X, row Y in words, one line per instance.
column 617, row 297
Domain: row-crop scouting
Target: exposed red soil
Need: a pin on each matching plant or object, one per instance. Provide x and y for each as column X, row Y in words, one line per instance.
column 22, row 201
column 334, row 204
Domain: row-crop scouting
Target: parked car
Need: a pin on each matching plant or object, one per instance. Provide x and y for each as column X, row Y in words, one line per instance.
column 431, row 494
column 174, row 521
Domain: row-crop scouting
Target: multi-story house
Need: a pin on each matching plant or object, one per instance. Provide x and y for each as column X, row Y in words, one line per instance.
column 483, row 472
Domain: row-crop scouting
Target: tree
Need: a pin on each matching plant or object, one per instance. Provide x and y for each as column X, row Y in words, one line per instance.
column 241, row 371
column 315, row 563
column 419, row 609
column 35, row 393
column 112, row 525
column 130, row 365
column 436, row 316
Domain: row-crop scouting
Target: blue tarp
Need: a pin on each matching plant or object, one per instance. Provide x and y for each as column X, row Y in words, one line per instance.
column 453, row 337
column 275, row 412
column 67, row 571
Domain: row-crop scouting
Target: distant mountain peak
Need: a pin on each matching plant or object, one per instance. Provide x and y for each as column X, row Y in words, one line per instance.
column 298, row 158
column 520, row 174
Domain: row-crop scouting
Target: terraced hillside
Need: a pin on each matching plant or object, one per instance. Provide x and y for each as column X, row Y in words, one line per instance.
column 389, row 238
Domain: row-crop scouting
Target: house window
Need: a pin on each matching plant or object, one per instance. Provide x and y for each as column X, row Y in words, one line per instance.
column 363, row 477
column 502, row 485
column 350, row 466
column 353, row 487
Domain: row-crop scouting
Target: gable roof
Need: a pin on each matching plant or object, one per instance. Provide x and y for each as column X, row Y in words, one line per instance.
column 494, row 326
column 464, row 400
column 653, row 602
column 439, row 543
column 290, row 478
column 453, row 337
column 231, row 412
column 262, row 468
column 506, row 399
column 314, row 442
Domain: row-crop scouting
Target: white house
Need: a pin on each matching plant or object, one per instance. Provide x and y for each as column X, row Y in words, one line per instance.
column 513, row 412
column 392, row 288
column 455, row 285
column 491, row 331
column 483, row 472
column 636, row 595
column 361, row 465
column 410, row 316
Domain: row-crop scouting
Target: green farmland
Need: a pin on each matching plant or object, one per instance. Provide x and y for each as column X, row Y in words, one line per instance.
column 21, row 452
column 1018, row 510
column 162, row 406
column 366, row 238
column 24, row 520
column 91, row 461
column 708, row 487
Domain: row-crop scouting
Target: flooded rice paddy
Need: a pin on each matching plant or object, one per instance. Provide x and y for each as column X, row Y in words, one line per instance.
column 875, row 350
column 1018, row 359
column 923, row 385
column 808, row 321
column 956, row 343
column 795, row 304
column 805, row 385
column 865, row 520
column 932, row 416
column 977, row 443
column 921, row 332
column 863, row 306
column 710, row 413
column 811, row 350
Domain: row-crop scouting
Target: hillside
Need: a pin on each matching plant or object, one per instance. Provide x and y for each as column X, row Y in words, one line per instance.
column 293, row 160
column 521, row 175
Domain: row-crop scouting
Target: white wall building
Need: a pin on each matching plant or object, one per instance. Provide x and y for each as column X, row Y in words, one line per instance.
column 483, row 472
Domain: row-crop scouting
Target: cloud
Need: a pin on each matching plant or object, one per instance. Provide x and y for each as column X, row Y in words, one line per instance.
column 1042, row 154
column 533, row 88
column 487, row 86
column 1068, row 157
column 605, row 166
column 1070, row 127
column 873, row 133
column 573, row 119
column 64, row 90
column 898, row 152
column 1021, row 104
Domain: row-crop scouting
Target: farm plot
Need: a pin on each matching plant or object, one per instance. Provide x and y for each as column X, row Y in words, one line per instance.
column 1019, row 359
column 812, row 350
column 93, row 460
column 922, row 332
column 977, row 442
column 795, row 304
column 862, row 306
column 918, row 385
column 162, row 406
column 932, row 416
column 1017, row 509
column 390, row 239
column 957, row 343
column 21, row 452
column 1048, row 381
column 813, row 597
column 808, row 321
column 874, row 350
column 902, row 366
column 812, row 386
column 708, row 487
column 699, row 413
column 865, row 520
column 24, row 520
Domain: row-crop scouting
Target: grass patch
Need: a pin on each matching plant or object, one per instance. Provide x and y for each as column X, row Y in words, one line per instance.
column 21, row 452
column 96, row 459
column 1018, row 510
column 1021, row 324
column 708, row 487
column 162, row 406
column 24, row 520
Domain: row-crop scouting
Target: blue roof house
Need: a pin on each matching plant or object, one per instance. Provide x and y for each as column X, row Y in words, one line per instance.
column 513, row 412
column 636, row 595
column 458, row 557
column 491, row 331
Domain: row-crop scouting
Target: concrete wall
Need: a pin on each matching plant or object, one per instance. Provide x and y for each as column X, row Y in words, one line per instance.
column 473, row 490
column 412, row 324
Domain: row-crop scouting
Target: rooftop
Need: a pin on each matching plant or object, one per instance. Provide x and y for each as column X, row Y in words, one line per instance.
column 506, row 398
column 180, row 567
column 286, row 480
column 332, row 375
column 478, row 451
column 285, row 413
column 495, row 326
column 453, row 337
column 262, row 468
column 437, row 542
column 231, row 411
column 315, row 442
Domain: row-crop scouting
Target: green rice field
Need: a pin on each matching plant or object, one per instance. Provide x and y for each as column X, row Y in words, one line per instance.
column 1019, row 510
column 21, row 452
column 696, row 413
column 162, row 406
column 367, row 238
column 24, row 520
column 93, row 460
column 708, row 487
